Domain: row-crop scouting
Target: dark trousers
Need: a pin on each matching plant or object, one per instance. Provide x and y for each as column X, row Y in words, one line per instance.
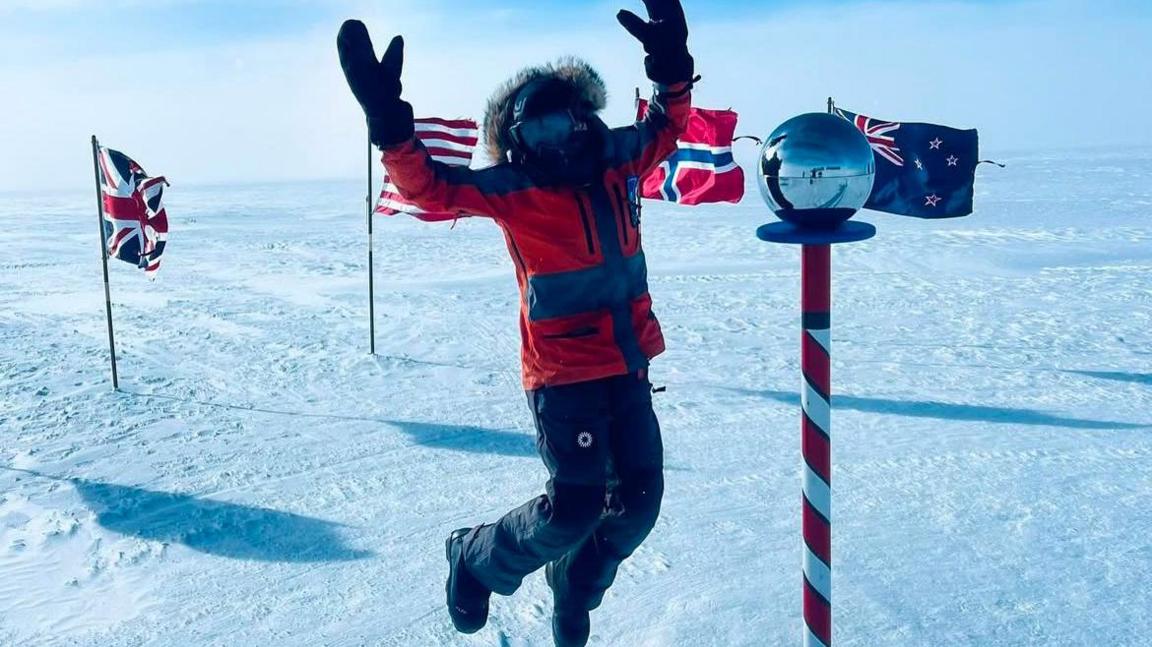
column 601, row 443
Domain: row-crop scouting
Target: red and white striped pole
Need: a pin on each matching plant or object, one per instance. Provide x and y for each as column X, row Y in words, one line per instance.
column 815, row 400
column 816, row 438
column 816, row 411
column 816, row 171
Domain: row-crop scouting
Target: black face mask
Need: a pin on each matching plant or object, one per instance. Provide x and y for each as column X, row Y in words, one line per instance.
column 560, row 148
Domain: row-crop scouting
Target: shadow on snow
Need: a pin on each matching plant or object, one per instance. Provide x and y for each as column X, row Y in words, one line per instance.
column 462, row 438
column 1138, row 378
column 213, row 527
column 948, row 411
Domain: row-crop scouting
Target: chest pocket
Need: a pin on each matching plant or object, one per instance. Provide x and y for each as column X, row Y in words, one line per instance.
column 587, row 224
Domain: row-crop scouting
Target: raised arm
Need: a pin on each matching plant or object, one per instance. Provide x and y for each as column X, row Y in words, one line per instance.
column 436, row 186
column 648, row 142
column 430, row 184
column 671, row 68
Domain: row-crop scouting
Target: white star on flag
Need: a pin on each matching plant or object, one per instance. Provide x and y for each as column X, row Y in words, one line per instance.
column 932, row 200
column 920, row 165
column 952, row 160
column 935, row 143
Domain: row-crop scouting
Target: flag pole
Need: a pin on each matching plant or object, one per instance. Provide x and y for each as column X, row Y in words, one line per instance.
column 831, row 105
column 816, row 413
column 815, row 444
column 371, row 267
column 104, row 261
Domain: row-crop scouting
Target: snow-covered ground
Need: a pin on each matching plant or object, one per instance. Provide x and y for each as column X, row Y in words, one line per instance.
column 262, row 480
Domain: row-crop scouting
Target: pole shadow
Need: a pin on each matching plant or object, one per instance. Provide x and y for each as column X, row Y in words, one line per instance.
column 469, row 439
column 948, row 411
column 478, row 440
column 462, row 438
column 213, row 527
column 1137, row 378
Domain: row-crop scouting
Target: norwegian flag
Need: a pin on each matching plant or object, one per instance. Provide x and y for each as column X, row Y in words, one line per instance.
column 451, row 141
column 878, row 133
column 135, row 222
column 702, row 170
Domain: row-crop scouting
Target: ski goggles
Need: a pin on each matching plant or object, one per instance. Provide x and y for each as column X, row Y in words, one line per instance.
column 552, row 130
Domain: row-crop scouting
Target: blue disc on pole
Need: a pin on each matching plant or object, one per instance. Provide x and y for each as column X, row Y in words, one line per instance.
column 785, row 232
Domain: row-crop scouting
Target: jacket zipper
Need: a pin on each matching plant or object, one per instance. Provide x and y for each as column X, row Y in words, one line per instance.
column 587, row 225
column 519, row 258
column 625, row 212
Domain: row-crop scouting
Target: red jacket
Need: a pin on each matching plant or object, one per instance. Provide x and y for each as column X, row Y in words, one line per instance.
column 585, row 311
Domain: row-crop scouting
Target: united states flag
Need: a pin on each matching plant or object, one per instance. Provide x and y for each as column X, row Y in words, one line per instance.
column 135, row 222
column 451, row 141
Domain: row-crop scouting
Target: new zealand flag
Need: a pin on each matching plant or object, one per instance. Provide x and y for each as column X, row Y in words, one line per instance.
column 922, row 170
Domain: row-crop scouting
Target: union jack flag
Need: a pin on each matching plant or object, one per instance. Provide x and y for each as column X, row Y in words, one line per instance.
column 135, row 222
column 877, row 132
column 451, row 141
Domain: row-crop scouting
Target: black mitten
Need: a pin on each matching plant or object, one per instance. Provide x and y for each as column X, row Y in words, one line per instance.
column 665, row 39
column 376, row 84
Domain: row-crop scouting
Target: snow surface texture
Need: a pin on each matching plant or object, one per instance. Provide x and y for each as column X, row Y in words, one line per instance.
column 262, row 480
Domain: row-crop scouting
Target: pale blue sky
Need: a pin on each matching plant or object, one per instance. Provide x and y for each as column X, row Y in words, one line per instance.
column 212, row 90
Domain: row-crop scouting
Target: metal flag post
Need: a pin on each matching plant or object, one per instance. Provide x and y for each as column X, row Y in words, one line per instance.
column 815, row 171
column 104, row 260
column 371, row 269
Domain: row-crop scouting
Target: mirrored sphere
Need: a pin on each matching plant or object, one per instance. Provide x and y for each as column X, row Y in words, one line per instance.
column 816, row 170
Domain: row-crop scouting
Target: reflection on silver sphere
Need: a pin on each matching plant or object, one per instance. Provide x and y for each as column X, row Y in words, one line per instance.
column 816, row 170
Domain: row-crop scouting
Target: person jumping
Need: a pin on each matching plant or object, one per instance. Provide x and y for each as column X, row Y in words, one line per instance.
column 565, row 192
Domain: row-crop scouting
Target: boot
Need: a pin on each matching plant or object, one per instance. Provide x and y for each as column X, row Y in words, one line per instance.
column 570, row 625
column 467, row 597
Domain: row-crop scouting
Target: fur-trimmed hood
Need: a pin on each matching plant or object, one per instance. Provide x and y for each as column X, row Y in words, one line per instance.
column 585, row 81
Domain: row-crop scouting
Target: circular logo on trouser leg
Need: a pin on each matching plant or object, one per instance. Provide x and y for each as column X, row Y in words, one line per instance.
column 584, row 439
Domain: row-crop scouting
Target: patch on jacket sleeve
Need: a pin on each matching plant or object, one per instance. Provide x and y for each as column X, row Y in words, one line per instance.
column 634, row 199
